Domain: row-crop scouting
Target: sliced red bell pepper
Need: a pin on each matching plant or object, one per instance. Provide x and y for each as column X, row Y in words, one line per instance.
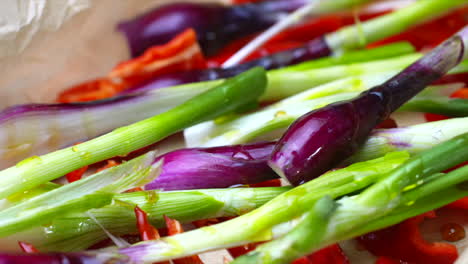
column 110, row 163
column 330, row 255
column 173, row 228
column 146, row 230
column 27, row 248
column 385, row 260
column 269, row 183
column 404, row 242
column 180, row 54
column 76, row 174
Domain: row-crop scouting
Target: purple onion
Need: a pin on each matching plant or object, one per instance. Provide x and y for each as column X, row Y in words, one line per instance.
column 314, row 49
column 218, row 167
column 321, row 139
column 215, row 24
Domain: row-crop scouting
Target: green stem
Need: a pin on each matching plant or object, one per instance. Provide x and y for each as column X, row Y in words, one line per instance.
column 384, row 196
column 91, row 192
column 378, row 53
column 227, row 97
column 453, row 107
column 413, row 139
column 282, row 83
column 307, row 235
column 77, row 231
column 258, row 225
column 356, row 36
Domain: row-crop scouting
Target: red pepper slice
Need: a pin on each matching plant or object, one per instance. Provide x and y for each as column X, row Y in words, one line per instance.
column 110, row 163
column 27, row 248
column 76, row 174
column 173, row 228
column 269, row 183
column 330, row 255
column 460, row 204
column 146, row 230
column 404, row 242
column 180, row 54
column 385, row 260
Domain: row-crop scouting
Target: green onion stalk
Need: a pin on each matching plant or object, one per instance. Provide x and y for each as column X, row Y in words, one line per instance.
column 95, row 191
column 387, row 185
column 258, row 225
column 270, row 122
column 404, row 193
column 229, row 96
column 77, row 231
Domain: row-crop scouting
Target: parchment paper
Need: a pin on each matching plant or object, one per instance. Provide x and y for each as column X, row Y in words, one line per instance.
column 48, row 45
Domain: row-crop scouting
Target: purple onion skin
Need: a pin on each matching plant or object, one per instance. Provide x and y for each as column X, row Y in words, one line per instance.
column 218, row 167
column 56, row 258
column 314, row 49
column 322, row 139
column 215, row 25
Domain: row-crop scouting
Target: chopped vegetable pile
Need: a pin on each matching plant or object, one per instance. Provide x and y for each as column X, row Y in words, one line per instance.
column 295, row 152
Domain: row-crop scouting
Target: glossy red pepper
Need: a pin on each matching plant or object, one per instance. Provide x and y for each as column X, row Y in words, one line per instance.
column 173, row 228
column 27, row 248
column 146, row 230
column 404, row 242
column 76, row 174
column 330, row 255
column 385, row 260
column 180, row 54
column 460, row 204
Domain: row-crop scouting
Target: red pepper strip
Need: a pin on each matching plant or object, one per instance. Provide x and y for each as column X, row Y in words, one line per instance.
column 330, row 255
column 460, row 204
column 173, row 228
column 181, row 53
column 146, row 230
column 385, row 260
column 461, row 93
column 76, row 174
column 388, row 123
column 110, row 163
column 431, row 33
column 404, row 242
column 27, row 248
column 269, row 183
